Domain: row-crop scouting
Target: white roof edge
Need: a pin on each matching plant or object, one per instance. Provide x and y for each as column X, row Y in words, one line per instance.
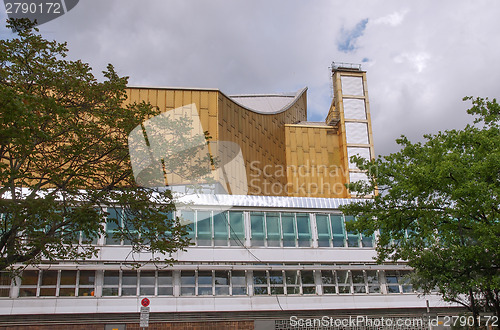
column 297, row 95
column 291, row 95
column 266, row 201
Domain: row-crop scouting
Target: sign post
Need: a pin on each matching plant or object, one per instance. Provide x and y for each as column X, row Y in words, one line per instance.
column 144, row 319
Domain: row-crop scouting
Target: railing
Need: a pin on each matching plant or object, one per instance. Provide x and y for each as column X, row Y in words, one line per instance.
column 348, row 66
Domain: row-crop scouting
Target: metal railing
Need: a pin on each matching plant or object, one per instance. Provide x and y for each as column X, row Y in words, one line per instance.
column 348, row 66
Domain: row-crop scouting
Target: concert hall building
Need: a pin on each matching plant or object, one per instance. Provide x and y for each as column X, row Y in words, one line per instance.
column 270, row 248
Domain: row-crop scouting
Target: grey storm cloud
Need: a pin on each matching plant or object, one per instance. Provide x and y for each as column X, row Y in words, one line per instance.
column 421, row 57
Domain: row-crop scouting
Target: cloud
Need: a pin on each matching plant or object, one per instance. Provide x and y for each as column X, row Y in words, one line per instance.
column 348, row 38
column 418, row 59
column 421, row 57
column 393, row 19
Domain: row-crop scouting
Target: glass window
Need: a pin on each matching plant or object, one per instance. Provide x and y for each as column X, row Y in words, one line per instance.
column 307, row 278
column 86, row 284
column 169, row 217
column 111, row 283
column 68, row 283
column 304, row 229
column 221, row 233
column 165, row 283
column 68, row 277
column 238, row 282
column 147, row 281
column 276, row 229
column 237, row 232
column 62, row 283
column 338, row 233
column 129, row 283
column 367, row 241
column 29, row 282
column 113, row 225
column 323, row 227
column 352, row 237
column 404, row 280
column 273, row 229
column 391, row 279
column 204, row 228
column 288, row 225
column 332, row 228
column 128, row 225
column 187, row 219
column 205, row 283
column 373, row 281
column 276, row 281
column 358, row 281
column 54, row 282
column 207, row 228
column 260, row 286
column 5, row 281
column 188, row 283
column 292, row 282
column 398, row 281
column 257, row 225
column 49, row 283
column 344, row 281
column 222, row 282
column 328, row 281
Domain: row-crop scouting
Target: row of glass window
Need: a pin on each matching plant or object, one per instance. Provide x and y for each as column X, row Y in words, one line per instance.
column 268, row 229
column 109, row 283
column 220, row 229
column 255, row 229
column 280, row 229
column 52, row 283
column 288, row 282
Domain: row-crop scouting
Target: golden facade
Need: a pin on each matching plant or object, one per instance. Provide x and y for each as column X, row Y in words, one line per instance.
column 284, row 154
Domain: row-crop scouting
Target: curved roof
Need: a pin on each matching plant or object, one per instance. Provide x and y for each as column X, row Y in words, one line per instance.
column 267, row 103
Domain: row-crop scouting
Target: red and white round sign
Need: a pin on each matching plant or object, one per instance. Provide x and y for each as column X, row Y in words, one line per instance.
column 145, row 302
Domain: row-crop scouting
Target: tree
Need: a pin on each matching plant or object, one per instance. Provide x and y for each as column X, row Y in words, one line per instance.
column 64, row 159
column 438, row 208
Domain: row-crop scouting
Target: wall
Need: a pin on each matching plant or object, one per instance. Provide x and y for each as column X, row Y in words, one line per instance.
column 314, row 164
column 261, row 137
column 262, row 140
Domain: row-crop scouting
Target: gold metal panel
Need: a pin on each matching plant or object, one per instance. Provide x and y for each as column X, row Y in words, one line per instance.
column 313, row 172
column 293, row 156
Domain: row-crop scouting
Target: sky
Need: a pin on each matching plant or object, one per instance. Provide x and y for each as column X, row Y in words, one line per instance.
column 421, row 57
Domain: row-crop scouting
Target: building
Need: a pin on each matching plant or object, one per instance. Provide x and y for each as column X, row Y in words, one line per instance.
column 277, row 257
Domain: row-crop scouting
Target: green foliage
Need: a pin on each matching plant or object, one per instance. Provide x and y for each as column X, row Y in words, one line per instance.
column 438, row 208
column 64, row 158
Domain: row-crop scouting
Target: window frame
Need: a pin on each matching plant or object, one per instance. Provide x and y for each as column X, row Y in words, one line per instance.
column 39, row 286
column 213, row 238
column 263, row 238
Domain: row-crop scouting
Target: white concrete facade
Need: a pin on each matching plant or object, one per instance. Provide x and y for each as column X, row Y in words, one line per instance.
column 305, row 275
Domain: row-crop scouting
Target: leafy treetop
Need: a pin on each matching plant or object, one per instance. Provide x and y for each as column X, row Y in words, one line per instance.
column 64, row 158
column 438, row 208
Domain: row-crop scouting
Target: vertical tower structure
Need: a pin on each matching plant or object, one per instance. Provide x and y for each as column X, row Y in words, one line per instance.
column 351, row 108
